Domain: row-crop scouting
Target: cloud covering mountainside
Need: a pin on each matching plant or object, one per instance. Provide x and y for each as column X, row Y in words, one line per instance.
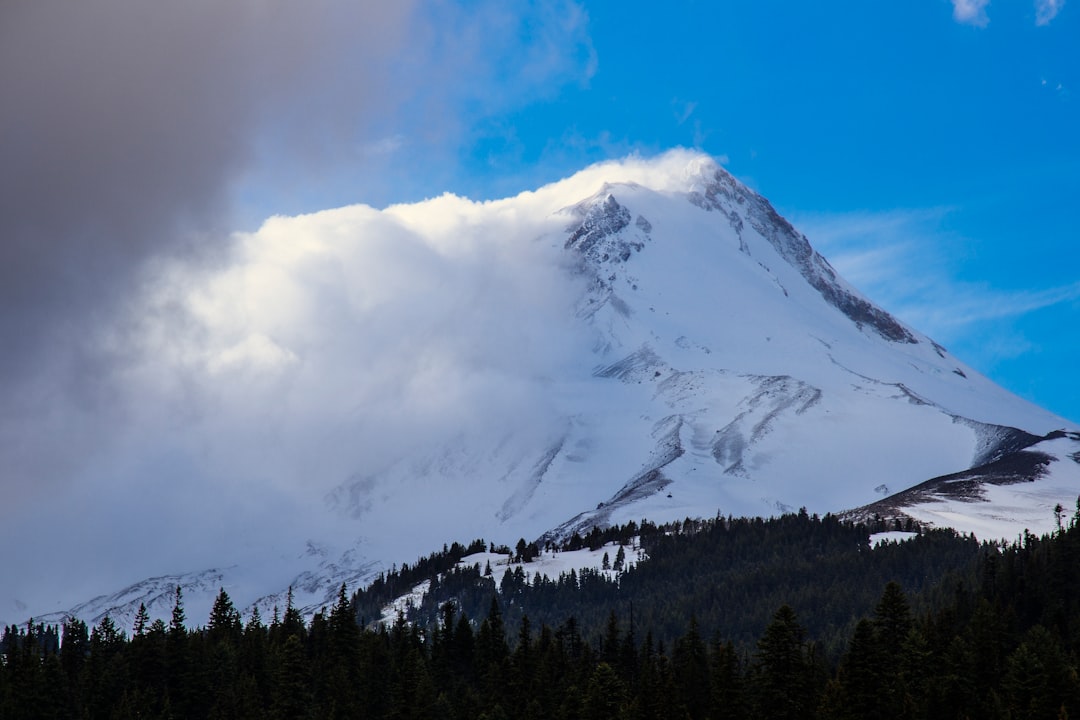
column 647, row 338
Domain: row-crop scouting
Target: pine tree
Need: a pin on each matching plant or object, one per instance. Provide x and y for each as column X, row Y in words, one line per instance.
column 892, row 624
column 142, row 620
column 523, row 661
column 106, row 672
column 690, row 663
column 892, row 619
column 862, row 675
column 463, row 649
column 178, row 659
column 148, row 666
column 726, row 684
column 224, row 624
column 74, row 649
column 106, row 638
column 255, row 619
column 605, row 695
column 292, row 623
column 292, row 686
column 492, row 651
column 343, row 678
column 783, row 677
column 254, row 659
column 609, row 651
column 177, row 625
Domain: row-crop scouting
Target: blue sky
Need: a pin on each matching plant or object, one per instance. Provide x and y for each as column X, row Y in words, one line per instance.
column 946, row 133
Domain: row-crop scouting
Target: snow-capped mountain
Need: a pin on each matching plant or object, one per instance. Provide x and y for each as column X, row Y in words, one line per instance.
column 720, row 365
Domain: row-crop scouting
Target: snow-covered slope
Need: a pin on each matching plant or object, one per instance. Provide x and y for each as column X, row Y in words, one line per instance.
column 718, row 365
column 550, row 563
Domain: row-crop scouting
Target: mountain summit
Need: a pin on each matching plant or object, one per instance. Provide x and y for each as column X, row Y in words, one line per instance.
column 651, row 340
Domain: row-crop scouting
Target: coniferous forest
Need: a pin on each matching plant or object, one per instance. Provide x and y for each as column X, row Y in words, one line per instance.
column 792, row 617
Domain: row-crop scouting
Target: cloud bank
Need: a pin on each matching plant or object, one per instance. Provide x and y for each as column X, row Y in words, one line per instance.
column 323, row 348
column 132, row 140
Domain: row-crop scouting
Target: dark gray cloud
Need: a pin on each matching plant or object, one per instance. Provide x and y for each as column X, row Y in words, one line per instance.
column 123, row 129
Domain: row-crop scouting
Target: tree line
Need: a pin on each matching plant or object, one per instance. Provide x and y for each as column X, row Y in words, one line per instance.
column 998, row 638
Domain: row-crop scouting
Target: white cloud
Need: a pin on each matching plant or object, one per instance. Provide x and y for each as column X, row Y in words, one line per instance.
column 971, row 12
column 328, row 346
column 1047, row 10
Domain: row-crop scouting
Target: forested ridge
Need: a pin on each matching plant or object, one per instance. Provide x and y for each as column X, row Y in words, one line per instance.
column 729, row 573
column 940, row 626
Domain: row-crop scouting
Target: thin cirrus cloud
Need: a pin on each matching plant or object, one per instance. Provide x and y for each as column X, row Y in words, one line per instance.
column 904, row 261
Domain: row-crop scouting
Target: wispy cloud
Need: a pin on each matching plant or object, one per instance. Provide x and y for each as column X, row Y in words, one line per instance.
column 1057, row 88
column 905, row 261
column 1047, row 10
column 683, row 109
column 971, row 12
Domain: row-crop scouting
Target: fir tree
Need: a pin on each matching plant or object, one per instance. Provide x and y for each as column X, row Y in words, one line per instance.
column 605, row 696
column 292, row 683
column 726, row 683
column 224, row 623
column 783, row 675
column 178, row 659
column 177, row 625
column 292, row 623
column 343, row 655
column 690, row 664
column 142, row 620
column 862, row 675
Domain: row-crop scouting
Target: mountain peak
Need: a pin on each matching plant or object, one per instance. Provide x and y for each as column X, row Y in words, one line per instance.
column 727, row 195
column 701, row 180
